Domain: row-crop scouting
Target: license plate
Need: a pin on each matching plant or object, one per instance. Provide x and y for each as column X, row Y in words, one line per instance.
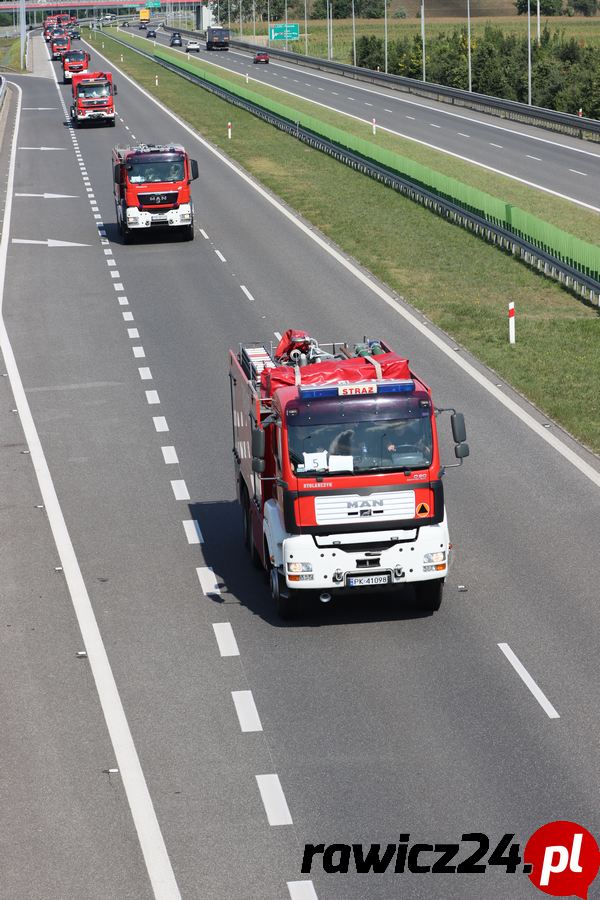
column 367, row 580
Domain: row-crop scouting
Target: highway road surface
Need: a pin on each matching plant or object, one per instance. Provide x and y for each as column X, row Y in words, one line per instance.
column 163, row 733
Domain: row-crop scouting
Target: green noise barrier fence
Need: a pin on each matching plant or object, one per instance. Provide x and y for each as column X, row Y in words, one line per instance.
column 539, row 243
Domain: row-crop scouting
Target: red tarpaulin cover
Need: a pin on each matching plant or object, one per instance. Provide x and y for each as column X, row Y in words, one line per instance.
column 333, row 371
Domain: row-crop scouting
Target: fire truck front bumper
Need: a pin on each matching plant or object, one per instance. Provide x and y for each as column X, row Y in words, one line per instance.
column 171, row 218
column 347, row 564
column 85, row 115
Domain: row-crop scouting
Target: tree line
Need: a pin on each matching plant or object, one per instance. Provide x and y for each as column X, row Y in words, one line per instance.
column 565, row 75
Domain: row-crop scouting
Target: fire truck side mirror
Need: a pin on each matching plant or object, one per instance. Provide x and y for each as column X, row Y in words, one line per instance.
column 459, row 431
column 258, row 465
column 258, row 443
column 115, row 91
column 117, row 176
column 194, row 165
column 461, row 451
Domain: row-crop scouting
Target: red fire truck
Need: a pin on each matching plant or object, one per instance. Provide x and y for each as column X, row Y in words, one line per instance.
column 152, row 188
column 75, row 62
column 93, row 98
column 338, row 470
column 60, row 45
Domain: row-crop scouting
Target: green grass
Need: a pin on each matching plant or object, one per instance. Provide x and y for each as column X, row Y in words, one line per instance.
column 458, row 281
column 583, row 223
column 10, row 51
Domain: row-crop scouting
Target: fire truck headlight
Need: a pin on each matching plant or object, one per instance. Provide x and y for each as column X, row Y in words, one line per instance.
column 297, row 568
column 439, row 557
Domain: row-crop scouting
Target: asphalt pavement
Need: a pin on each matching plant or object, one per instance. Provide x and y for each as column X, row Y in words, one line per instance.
column 374, row 720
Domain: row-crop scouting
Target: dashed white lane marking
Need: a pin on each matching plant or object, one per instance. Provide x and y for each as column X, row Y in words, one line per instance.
column 192, row 531
column 277, row 335
column 127, row 316
column 498, row 146
column 180, row 489
column 145, row 373
column 114, row 274
column 577, row 172
column 119, row 286
column 220, row 255
column 152, row 397
column 335, row 93
column 410, row 117
column 226, row 639
column 247, row 292
column 138, row 352
column 302, row 890
column 160, row 423
column 351, row 98
column 462, row 134
column 204, row 234
column 537, row 158
column 170, row 455
column 208, row 581
column 111, row 262
column 108, row 252
column 274, row 800
column 322, row 89
column 433, row 125
column 123, row 301
column 526, row 677
column 133, row 333
column 391, row 111
column 246, row 710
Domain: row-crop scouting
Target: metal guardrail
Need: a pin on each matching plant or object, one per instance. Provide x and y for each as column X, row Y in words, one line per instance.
column 544, row 262
column 576, row 126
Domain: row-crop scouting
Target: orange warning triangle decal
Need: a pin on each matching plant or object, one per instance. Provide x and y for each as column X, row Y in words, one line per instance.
column 422, row 510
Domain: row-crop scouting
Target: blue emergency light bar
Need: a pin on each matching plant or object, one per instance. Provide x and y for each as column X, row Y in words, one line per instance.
column 358, row 389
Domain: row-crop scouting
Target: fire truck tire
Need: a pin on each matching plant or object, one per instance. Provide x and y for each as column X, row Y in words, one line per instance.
column 188, row 232
column 283, row 597
column 111, row 123
column 429, row 594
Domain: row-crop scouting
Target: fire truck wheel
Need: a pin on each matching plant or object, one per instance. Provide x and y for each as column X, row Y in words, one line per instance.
column 429, row 594
column 283, row 597
column 188, row 232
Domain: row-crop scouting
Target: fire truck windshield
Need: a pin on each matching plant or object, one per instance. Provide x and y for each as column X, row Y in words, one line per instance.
column 75, row 55
column 359, row 436
column 93, row 91
column 163, row 169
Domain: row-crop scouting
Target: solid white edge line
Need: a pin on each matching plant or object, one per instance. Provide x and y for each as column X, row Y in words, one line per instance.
column 302, row 890
column 192, row 531
column 528, row 680
column 583, row 467
column 143, row 813
column 246, row 710
column 273, row 799
column 226, row 641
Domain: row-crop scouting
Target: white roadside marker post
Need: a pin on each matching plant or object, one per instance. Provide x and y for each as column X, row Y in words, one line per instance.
column 229, row 131
column 156, row 80
column 511, row 323
column 374, row 127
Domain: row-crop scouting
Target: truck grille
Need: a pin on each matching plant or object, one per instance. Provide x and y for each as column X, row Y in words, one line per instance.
column 158, row 199
column 345, row 508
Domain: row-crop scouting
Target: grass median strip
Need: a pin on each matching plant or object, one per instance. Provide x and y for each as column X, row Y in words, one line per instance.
column 461, row 283
column 563, row 214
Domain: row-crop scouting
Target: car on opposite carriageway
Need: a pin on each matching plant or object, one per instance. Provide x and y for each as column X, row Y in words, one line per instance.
column 193, row 46
column 176, row 40
column 261, row 57
column 150, row 33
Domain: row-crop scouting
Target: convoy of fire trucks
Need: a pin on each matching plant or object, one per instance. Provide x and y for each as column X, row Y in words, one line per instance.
column 338, row 470
column 337, row 459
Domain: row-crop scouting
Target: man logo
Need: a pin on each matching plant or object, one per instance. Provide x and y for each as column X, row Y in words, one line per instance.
column 364, row 504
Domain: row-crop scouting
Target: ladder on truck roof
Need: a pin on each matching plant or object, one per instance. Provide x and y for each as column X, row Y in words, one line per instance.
column 255, row 359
